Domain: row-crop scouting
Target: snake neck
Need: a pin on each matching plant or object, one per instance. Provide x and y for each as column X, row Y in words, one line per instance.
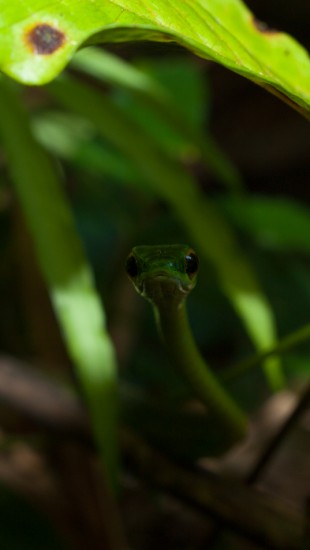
column 166, row 294
column 181, row 348
column 173, row 326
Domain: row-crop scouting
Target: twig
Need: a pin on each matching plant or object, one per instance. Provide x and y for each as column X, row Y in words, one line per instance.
column 41, row 399
column 244, row 510
column 274, row 444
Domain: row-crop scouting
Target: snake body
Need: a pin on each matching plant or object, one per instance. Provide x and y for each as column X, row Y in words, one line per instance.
column 165, row 275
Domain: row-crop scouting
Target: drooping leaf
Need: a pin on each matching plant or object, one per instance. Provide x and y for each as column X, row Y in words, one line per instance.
column 38, row 38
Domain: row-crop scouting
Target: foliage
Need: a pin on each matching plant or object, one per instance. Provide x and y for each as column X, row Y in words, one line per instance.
column 227, row 33
column 133, row 139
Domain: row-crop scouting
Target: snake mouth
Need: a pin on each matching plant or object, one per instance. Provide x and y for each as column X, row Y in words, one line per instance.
column 163, row 284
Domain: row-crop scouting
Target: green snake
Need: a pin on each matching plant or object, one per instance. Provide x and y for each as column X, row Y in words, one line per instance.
column 165, row 275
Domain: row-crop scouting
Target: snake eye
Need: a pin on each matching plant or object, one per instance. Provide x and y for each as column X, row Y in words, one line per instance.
column 132, row 266
column 191, row 263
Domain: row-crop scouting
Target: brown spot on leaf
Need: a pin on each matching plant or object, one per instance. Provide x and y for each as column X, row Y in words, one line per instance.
column 263, row 27
column 44, row 39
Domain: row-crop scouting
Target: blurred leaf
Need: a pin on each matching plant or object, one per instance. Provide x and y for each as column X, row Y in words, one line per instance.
column 68, row 275
column 183, row 84
column 39, row 37
column 186, row 83
column 297, row 365
column 74, row 139
column 159, row 127
column 62, row 133
column 170, row 104
column 276, row 223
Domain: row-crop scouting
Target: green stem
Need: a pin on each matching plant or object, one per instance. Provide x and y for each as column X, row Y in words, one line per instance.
column 183, row 353
column 287, row 343
column 65, row 269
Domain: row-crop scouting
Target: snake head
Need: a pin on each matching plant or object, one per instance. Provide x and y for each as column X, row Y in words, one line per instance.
column 163, row 273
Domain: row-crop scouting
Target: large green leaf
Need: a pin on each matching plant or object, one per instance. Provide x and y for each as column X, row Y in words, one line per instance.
column 38, row 38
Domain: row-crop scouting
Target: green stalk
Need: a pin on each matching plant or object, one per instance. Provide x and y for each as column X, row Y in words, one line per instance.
column 65, row 269
column 289, row 342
